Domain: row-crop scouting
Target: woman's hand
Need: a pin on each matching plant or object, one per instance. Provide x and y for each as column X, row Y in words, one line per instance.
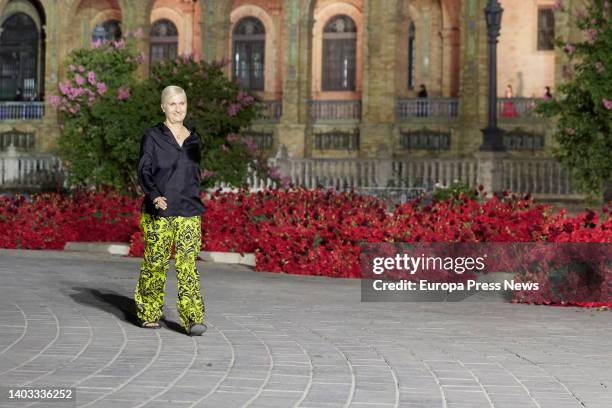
column 160, row 202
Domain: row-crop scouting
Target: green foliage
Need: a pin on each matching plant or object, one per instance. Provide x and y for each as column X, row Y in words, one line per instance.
column 101, row 134
column 456, row 191
column 583, row 105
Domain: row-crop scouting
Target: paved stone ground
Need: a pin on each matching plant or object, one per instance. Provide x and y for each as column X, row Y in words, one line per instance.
column 66, row 320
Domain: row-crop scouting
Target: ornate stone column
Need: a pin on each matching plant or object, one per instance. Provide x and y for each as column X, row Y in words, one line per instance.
column 297, row 74
column 473, row 76
column 379, row 78
column 53, row 43
column 450, row 61
column 137, row 16
column 215, row 26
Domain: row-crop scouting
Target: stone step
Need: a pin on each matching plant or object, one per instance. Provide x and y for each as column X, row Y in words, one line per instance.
column 113, row 248
column 120, row 248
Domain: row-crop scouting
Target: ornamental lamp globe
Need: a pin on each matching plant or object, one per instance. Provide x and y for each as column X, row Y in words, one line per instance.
column 493, row 15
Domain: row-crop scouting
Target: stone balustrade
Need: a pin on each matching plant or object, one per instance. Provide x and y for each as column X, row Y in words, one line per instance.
column 408, row 108
column 542, row 177
column 336, row 173
column 29, row 171
column 271, row 111
column 537, row 177
column 431, row 173
column 335, row 110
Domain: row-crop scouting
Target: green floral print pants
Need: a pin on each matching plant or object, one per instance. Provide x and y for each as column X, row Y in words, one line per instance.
column 159, row 234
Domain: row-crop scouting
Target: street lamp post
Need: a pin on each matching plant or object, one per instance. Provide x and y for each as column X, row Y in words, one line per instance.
column 493, row 139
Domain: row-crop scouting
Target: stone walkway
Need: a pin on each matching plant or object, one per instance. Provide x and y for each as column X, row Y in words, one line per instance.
column 66, row 320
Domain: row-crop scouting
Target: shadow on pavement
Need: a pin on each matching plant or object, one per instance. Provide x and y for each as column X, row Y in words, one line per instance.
column 121, row 306
column 171, row 325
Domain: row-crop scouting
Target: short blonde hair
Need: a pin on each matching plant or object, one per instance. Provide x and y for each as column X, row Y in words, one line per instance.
column 172, row 90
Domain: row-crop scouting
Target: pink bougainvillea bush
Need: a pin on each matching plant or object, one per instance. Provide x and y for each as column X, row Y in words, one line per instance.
column 311, row 232
column 103, row 109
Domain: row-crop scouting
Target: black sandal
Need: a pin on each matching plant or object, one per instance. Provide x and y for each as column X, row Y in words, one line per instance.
column 150, row 325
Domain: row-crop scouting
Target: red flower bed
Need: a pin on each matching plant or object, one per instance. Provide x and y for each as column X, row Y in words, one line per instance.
column 319, row 233
column 51, row 220
column 315, row 232
column 312, row 232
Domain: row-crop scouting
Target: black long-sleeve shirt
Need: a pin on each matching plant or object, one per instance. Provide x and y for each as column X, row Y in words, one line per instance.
column 166, row 169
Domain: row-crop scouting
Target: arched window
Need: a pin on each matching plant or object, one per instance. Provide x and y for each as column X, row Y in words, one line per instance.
column 110, row 30
column 164, row 40
column 249, row 40
column 19, row 43
column 411, row 50
column 339, row 54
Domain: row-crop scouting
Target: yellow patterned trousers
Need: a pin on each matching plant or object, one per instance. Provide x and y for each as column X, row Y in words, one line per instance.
column 159, row 234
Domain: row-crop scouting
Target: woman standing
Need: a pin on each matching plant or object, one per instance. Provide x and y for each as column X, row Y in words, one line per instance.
column 509, row 110
column 169, row 175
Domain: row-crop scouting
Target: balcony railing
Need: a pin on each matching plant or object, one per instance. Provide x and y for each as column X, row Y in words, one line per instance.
column 335, row 110
column 520, row 139
column 263, row 140
column 337, row 140
column 427, row 107
column 426, row 139
column 271, row 111
column 517, row 108
column 21, row 110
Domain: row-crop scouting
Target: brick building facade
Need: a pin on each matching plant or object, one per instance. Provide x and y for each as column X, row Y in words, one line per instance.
column 340, row 78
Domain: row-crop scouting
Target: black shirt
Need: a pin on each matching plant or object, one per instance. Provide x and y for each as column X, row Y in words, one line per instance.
column 169, row 170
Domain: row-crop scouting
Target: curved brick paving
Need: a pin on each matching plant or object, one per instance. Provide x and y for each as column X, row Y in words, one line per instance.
column 288, row 341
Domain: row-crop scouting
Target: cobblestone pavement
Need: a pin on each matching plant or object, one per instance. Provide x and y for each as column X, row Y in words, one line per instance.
column 66, row 320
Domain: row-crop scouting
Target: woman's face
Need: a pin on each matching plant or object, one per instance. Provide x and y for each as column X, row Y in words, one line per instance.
column 175, row 108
